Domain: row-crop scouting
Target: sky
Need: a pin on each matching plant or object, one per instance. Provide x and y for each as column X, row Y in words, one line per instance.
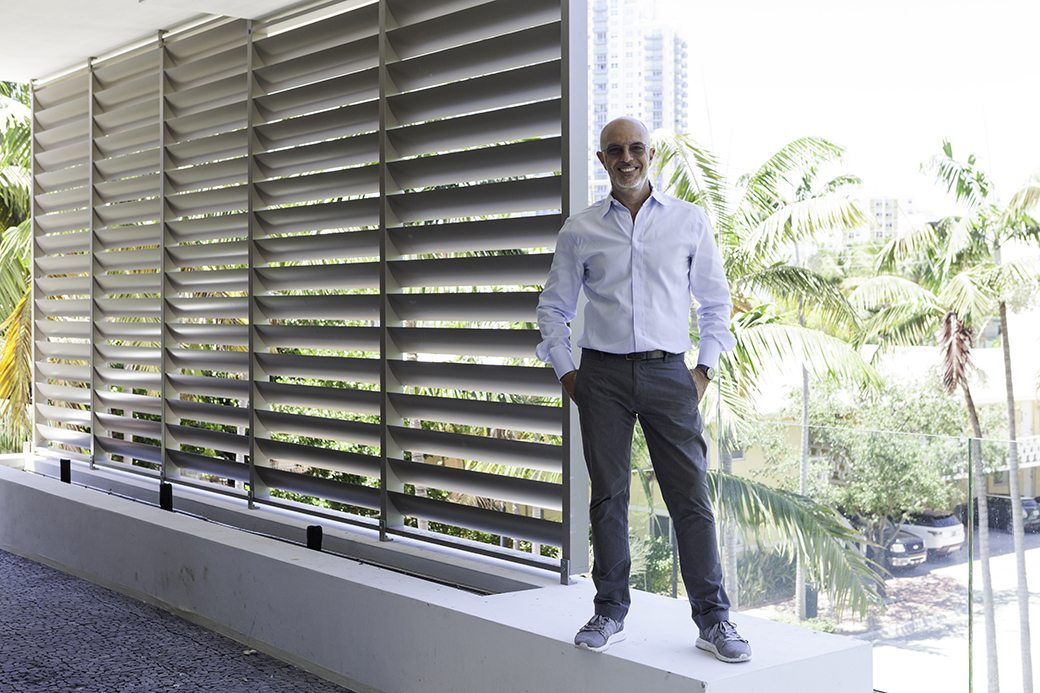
column 887, row 80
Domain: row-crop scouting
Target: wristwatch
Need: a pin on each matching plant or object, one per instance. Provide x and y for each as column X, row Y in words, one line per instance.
column 708, row 371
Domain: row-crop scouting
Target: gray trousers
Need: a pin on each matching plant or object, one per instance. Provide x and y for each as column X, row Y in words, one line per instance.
column 611, row 393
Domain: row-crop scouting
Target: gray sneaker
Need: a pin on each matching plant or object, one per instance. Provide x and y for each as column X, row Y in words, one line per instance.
column 599, row 633
column 723, row 641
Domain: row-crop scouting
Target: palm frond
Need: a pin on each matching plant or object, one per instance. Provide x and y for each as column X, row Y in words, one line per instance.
column 16, row 363
column 796, row 221
column 962, row 179
column 889, row 289
column 693, row 171
column 900, row 324
column 14, row 265
column 971, row 293
column 729, row 408
column 955, row 341
column 1026, row 199
column 799, row 283
column 1015, row 273
column 764, row 187
column 822, row 355
column 904, row 246
column 808, row 529
column 845, row 180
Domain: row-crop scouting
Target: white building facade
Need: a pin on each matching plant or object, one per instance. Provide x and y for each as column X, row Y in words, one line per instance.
column 638, row 67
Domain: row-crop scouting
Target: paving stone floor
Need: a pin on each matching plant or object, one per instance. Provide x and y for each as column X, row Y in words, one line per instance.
column 61, row 633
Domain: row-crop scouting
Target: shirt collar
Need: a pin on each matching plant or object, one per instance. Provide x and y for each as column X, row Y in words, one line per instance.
column 656, row 194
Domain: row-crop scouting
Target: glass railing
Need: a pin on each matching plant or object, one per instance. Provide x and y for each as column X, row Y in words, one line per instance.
column 883, row 517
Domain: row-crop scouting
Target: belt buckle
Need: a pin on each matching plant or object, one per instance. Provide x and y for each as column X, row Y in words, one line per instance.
column 634, row 356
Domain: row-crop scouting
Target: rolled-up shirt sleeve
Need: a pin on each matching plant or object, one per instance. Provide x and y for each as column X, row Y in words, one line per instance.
column 558, row 303
column 709, row 286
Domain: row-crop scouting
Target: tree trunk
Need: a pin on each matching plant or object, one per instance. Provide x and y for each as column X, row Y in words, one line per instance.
column 979, row 470
column 1018, row 527
column 800, row 606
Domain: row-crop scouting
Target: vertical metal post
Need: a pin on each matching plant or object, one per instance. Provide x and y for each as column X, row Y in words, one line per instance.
column 36, row 294
column 389, row 516
column 256, row 489
column 970, row 544
column 164, row 389
column 574, row 193
column 95, row 267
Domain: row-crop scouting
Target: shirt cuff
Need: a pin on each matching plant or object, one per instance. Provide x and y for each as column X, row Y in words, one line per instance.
column 562, row 361
column 709, row 354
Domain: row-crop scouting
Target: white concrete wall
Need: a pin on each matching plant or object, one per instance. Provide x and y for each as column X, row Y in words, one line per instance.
column 377, row 630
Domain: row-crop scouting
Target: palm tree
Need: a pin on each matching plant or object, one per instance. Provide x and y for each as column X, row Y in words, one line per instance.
column 984, row 232
column 904, row 311
column 785, row 201
column 958, row 266
column 15, row 224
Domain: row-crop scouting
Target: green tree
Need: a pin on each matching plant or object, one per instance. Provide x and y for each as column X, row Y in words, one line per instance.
column 785, row 201
column 968, row 262
column 881, row 454
column 15, row 272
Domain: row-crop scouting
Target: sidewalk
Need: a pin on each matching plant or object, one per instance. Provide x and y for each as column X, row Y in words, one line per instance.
column 61, row 633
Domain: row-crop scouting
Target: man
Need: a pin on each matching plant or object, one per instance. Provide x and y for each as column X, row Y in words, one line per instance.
column 639, row 254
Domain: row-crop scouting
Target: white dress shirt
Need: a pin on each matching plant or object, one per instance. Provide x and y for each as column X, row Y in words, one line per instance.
column 638, row 276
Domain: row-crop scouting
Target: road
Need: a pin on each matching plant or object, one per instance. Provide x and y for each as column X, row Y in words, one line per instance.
column 921, row 639
column 923, row 643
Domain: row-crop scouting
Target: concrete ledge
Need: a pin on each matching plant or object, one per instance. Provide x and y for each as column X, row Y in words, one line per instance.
column 377, row 630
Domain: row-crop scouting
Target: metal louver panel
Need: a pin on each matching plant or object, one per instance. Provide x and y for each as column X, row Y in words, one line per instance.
column 302, row 255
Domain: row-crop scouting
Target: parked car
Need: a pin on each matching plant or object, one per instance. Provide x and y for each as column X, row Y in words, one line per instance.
column 905, row 551
column 1000, row 513
column 942, row 533
column 896, row 549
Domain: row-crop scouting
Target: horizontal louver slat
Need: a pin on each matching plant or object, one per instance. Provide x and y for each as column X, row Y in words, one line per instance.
column 209, row 386
column 465, row 341
column 350, row 244
column 319, row 427
column 325, row 367
column 203, row 464
column 137, row 451
column 496, row 306
column 506, row 524
column 324, row 458
column 530, row 195
column 211, row 413
column 530, row 83
column 472, row 412
column 522, row 380
column 308, row 485
column 513, row 453
column 500, row 52
column 512, row 489
column 345, row 399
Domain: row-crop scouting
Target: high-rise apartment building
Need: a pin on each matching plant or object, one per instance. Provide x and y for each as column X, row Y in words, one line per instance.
column 638, row 67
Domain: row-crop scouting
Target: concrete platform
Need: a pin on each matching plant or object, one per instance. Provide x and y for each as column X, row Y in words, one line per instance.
column 373, row 629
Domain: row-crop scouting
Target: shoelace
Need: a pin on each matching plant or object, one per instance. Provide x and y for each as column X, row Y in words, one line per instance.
column 729, row 631
column 598, row 624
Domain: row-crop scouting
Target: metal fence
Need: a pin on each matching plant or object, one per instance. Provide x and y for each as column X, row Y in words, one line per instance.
column 296, row 261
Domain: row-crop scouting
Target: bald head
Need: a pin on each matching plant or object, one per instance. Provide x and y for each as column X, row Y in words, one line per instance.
column 623, row 127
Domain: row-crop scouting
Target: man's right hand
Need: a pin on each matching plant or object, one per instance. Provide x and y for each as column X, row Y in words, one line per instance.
column 569, row 380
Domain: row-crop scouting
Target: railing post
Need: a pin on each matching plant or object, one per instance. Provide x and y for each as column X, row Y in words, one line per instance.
column 574, row 195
